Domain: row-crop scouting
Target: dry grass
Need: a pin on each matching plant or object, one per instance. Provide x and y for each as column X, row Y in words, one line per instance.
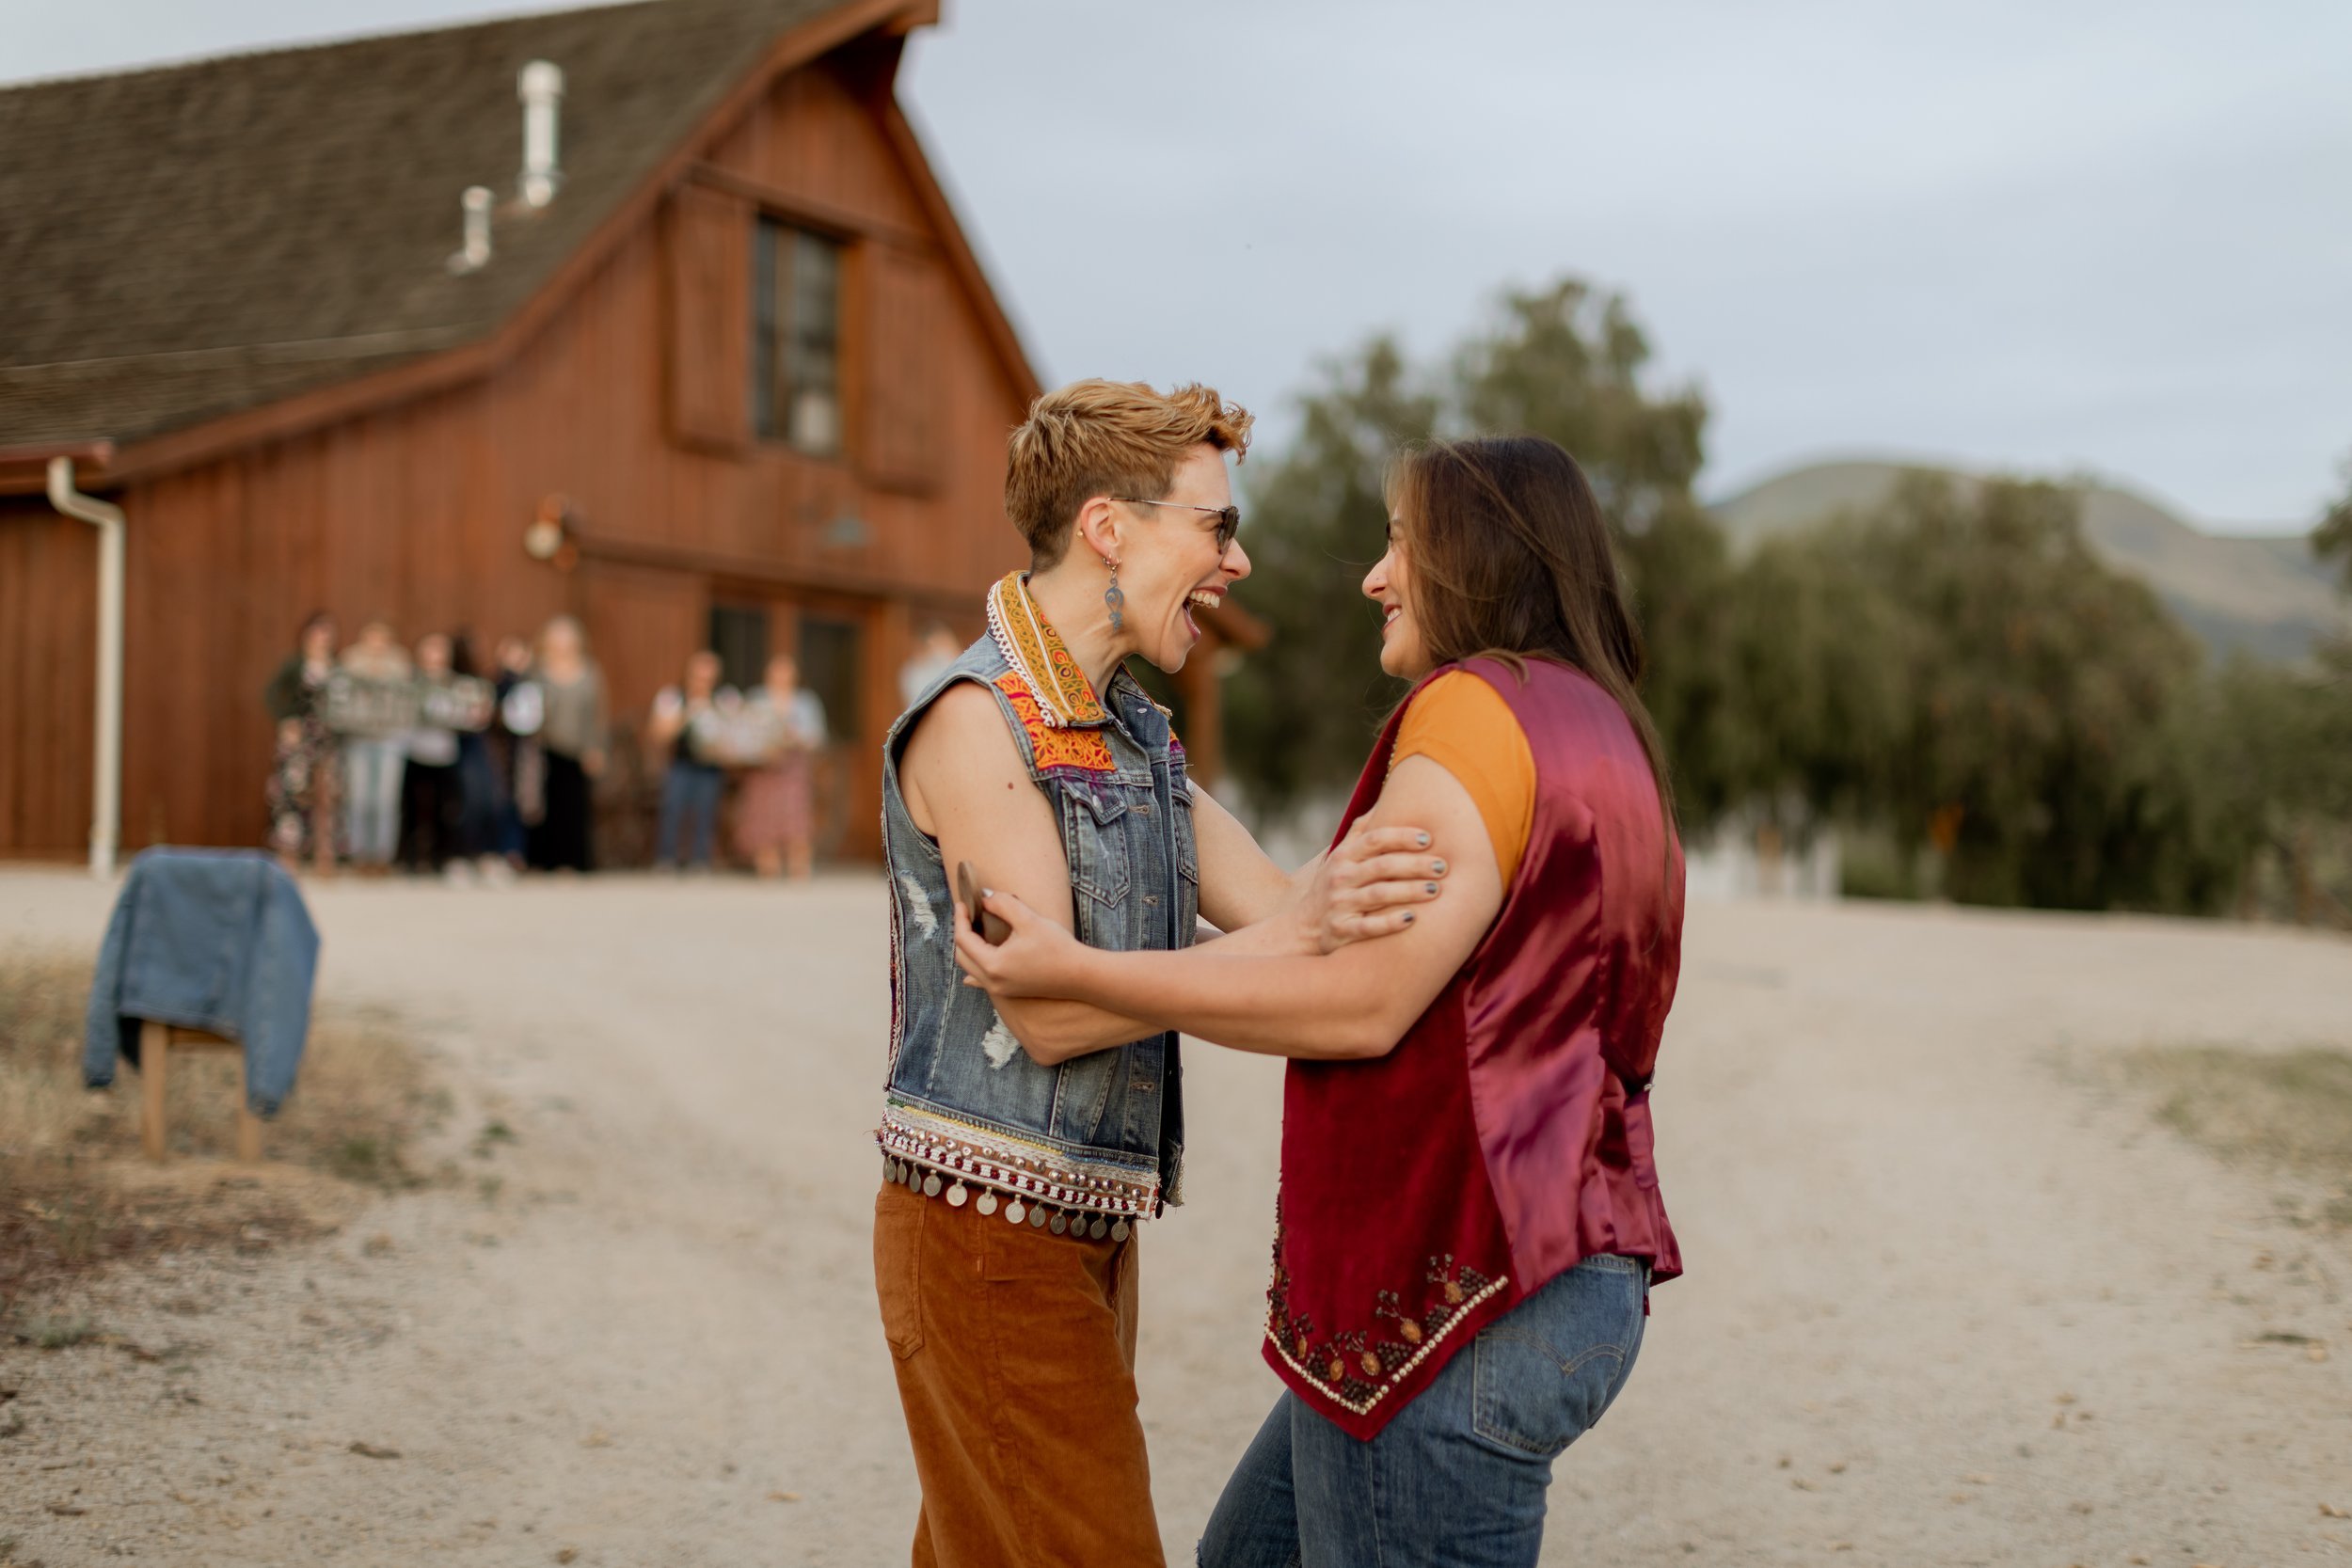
column 74, row 1191
column 2290, row 1110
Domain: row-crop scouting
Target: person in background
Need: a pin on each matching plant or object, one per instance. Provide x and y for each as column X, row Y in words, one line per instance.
column 775, row 822
column 373, row 718
column 479, row 798
column 937, row 650
column 574, row 736
column 685, row 719
column 301, row 791
column 517, row 769
column 429, row 787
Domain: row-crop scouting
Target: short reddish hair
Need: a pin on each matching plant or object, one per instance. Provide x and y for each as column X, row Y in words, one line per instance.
column 1107, row 438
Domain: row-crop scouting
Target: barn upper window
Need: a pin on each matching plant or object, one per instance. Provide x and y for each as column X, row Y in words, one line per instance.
column 796, row 338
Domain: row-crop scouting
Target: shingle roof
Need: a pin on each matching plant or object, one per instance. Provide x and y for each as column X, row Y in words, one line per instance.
column 186, row 242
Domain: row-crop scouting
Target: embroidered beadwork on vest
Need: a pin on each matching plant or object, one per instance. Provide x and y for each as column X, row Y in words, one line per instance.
column 1088, row 751
column 1356, row 1368
column 1037, row 654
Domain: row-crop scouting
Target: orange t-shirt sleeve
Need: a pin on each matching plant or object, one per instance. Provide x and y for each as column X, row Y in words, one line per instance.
column 1461, row 723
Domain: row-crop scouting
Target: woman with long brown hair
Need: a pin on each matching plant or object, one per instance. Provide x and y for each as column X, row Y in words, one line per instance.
column 1469, row 1219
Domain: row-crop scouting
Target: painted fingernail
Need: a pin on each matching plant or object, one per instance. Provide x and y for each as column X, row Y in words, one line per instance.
column 1431, row 888
column 986, row 894
column 1408, row 917
column 1425, row 841
column 1437, row 866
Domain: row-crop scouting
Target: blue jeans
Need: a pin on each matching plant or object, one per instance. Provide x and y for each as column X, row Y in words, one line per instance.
column 690, row 796
column 372, row 766
column 1457, row 1478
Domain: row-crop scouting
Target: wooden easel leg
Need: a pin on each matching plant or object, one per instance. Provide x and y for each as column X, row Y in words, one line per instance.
column 249, row 1125
column 153, row 1048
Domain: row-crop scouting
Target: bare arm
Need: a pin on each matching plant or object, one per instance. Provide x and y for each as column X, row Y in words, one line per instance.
column 1367, row 888
column 1055, row 1028
column 1357, row 891
column 1240, row 885
column 966, row 787
column 1355, row 1003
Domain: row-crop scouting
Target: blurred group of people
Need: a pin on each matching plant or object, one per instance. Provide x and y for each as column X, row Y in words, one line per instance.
column 423, row 758
column 767, row 738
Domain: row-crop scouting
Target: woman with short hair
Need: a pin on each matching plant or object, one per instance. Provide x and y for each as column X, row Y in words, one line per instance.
column 1469, row 1219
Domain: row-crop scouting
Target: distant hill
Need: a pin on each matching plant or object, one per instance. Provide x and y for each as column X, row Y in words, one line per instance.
column 2266, row 595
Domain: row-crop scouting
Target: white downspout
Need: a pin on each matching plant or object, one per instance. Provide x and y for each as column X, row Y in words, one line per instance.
column 106, row 789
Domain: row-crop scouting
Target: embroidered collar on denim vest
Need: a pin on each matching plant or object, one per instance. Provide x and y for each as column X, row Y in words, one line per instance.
column 1037, row 654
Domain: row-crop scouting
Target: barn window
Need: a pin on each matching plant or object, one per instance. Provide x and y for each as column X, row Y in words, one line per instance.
column 796, row 338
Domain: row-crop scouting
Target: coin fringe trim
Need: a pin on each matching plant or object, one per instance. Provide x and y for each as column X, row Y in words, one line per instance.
column 1015, row 1166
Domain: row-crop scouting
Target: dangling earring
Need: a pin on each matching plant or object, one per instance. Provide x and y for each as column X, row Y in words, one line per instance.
column 1114, row 600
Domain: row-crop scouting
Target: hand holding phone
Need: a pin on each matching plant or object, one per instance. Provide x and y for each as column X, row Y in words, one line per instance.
column 990, row 928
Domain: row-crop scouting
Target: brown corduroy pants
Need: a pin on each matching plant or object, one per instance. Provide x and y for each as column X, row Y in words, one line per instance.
column 1015, row 1351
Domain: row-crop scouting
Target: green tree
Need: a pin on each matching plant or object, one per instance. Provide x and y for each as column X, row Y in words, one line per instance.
column 2041, row 688
column 2332, row 539
column 1817, row 657
column 1683, row 579
column 1302, row 714
column 1566, row 363
column 2262, row 751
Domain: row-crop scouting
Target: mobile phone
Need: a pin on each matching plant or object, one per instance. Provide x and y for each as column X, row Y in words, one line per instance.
column 990, row 928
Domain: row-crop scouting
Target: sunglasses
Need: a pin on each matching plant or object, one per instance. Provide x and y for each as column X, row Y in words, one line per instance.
column 1228, row 517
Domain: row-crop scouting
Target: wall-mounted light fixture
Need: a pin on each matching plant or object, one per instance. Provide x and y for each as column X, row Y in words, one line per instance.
column 548, row 537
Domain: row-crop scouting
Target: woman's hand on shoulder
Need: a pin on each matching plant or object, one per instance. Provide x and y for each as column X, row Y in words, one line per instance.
column 1369, row 885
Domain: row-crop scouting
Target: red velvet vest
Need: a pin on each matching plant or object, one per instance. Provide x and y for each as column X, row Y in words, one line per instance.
column 1507, row 1136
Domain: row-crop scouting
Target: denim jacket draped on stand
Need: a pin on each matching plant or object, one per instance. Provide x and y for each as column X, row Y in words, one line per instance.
column 211, row 940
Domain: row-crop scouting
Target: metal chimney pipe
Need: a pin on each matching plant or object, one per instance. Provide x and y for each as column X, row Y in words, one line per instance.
column 477, row 252
column 541, row 89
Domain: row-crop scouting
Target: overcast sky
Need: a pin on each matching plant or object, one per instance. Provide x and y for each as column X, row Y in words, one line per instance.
column 2108, row 235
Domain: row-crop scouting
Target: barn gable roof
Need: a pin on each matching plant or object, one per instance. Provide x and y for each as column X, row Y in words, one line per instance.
column 197, row 240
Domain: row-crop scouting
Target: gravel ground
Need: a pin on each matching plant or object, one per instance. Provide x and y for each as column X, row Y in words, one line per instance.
column 1954, row 1297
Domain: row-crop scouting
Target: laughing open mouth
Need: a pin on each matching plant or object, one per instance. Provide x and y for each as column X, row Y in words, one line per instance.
column 1199, row 598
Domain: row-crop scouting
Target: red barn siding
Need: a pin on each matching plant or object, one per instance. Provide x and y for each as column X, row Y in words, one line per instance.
column 415, row 513
column 48, row 675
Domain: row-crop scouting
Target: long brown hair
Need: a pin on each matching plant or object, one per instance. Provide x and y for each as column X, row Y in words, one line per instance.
column 1509, row 558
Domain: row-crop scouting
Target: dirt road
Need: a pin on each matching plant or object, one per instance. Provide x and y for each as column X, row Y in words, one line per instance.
column 1952, row 1299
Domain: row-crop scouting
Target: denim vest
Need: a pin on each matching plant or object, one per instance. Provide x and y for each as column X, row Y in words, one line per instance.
column 1097, row 1141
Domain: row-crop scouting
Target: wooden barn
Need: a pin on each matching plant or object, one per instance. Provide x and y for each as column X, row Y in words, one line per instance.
column 335, row 327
